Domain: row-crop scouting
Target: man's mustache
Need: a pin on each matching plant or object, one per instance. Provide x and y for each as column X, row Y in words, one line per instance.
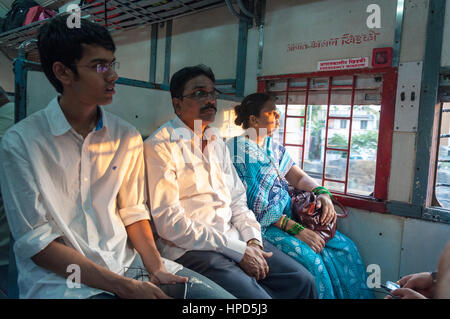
column 207, row 106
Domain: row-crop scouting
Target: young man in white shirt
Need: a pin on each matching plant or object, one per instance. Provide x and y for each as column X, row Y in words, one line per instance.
column 199, row 204
column 72, row 178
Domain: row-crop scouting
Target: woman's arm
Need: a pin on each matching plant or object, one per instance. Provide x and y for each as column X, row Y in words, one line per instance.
column 309, row 237
column 300, row 180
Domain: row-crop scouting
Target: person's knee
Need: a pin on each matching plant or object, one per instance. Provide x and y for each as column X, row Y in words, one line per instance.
column 239, row 284
column 306, row 283
column 199, row 286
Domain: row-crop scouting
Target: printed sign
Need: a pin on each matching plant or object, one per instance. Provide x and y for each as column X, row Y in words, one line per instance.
column 343, row 64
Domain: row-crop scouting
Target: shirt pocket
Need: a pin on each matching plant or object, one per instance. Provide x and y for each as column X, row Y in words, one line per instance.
column 63, row 174
column 192, row 179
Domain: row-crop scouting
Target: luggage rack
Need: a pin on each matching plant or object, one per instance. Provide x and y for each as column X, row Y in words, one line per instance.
column 123, row 14
column 120, row 15
column 19, row 45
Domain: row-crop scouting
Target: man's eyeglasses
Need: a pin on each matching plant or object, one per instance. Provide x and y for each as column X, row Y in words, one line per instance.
column 203, row 95
column 103, row 67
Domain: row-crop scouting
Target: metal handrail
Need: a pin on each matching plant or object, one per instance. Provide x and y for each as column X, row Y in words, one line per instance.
column 24, row 45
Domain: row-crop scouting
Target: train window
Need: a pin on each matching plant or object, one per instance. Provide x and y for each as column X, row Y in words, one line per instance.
column 330, row 125
column 442, row 180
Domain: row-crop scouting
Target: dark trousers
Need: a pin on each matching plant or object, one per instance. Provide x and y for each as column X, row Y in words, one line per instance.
column 286, row 279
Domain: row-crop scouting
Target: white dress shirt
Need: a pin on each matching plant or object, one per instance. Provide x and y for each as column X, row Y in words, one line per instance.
column 82, row 192
column 197, row 200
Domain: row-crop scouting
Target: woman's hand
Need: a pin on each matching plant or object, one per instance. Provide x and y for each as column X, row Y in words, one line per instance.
column 313, row 240
column 328, row 212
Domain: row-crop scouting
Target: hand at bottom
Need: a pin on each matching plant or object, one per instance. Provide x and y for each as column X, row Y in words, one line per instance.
column 311, row 238
column 254, row 262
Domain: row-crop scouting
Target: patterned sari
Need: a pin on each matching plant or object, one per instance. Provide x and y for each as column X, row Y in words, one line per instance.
column 338, row 270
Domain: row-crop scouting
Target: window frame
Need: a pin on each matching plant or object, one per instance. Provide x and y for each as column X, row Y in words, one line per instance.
column 430, row 211
column 437, row 137
column 366, row 122
column 378, row 202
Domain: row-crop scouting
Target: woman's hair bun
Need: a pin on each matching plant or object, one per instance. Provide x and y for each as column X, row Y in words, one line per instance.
column 251, row 105
column 239, row 116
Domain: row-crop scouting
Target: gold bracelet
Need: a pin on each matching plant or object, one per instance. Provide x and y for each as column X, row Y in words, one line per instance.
column 255, row 242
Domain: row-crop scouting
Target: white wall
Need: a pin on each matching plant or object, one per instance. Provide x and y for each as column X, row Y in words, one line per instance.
column 210, row 38
column 301, row 22
column 6, row 73
column 133, row 53
column 400, row 246
column 414, row 30
column 135, row 105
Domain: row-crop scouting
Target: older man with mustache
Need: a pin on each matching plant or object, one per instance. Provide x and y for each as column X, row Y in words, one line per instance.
column 199, row 205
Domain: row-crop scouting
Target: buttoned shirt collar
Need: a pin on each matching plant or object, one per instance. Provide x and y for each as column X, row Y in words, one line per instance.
column 58, row 121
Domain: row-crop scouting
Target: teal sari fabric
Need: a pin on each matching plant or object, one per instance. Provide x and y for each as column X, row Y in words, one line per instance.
column 338, row 270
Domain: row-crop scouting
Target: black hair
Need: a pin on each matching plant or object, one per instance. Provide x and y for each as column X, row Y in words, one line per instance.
column 181, row 77
column 58, row 42
column 251, row 105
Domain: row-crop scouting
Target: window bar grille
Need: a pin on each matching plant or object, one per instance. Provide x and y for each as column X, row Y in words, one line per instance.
column 286, row 116
column 286, row 111
column 326, row 132
column 350, row 133
column 346, row 150
column 305, row 121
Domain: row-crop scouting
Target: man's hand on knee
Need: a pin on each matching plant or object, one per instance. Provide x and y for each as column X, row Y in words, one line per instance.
column 254, row 262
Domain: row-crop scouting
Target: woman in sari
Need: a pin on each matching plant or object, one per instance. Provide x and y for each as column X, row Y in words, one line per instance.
column 266, row 170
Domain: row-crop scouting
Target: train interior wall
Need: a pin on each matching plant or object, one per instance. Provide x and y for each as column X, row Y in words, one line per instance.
column 399, row 245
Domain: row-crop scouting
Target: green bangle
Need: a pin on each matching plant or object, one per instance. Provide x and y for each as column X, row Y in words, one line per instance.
column 295, row 229
column 322, row 190
column 319, row 188
column 285, row 222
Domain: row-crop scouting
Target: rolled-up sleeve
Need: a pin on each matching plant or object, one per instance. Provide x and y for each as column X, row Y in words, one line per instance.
column 132, row 196
column 26, row 213
column 169, row 216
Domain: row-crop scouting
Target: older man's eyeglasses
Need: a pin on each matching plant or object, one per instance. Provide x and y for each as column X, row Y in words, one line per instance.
column 203, row 95
column 103, row 67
